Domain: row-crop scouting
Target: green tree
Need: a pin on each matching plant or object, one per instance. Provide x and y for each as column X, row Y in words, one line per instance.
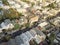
column 1, row 17
column 20, row 14
column 6, row 37
column 16, row 26
column 52, row 37
column 52, row 5
column 1, row 9
column 27, row 25
column 5, row 2
column 11, row 13
column 27, row 1
column 32, row 4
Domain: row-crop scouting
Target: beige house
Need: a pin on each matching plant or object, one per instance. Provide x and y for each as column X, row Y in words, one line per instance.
column 33, row 19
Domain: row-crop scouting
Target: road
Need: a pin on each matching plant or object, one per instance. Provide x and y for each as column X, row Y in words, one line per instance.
column 19, row 32
column 24, row 30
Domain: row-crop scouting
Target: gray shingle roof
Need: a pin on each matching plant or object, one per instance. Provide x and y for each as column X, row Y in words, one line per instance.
column 11, row 42
column 28, row 34
column 18, row 40
column 33, row 33
column 24, row 37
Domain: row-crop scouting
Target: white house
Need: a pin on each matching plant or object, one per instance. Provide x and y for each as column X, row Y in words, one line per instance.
column 10, row 25
column 5, row 7
column 22, row 20
column 4, row 26
column 1, row 4
column 37, row 39
column 7, row 26
column 17, row 6
column 56, row 21
column 57, row 1
column 11, row 2
column 12, row 6
column 21, row 10
column 37, row 7
column 26, row 6
column 43, row 24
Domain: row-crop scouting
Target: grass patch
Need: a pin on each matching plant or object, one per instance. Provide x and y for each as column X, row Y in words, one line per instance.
column 16, row 26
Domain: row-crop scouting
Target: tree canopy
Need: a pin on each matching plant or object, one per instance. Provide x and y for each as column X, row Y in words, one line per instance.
column 11, row 13
column 5, row 2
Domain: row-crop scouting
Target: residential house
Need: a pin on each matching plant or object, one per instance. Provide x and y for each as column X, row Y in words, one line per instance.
column 21, row 10
column 18, row 40
column 33, row 19
column 45, row 26
column 57, row 1
column 28, row 34
column 56, row 21
column 32, row 42
column 1, row 11
column 37, row 7
column 26, row 43
column 7, row 25
column 4, row 26
column 39, row 32
column 22, row 20
column 57, row 40
column 24, row 37
column 33, row 32
column 5, row 7
column 41, row 25
column 11, row 3
column 24, row 5
column 38, row 39
column 17, row 1
column 38, row 12
column 17, row 6
column 11, row 42
column 7, row 21
column 10, row 25
column 47, row 2
column 52, row 12
column 1, row 3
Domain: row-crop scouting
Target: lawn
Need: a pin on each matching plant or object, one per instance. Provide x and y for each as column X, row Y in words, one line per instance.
column 16, row 26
